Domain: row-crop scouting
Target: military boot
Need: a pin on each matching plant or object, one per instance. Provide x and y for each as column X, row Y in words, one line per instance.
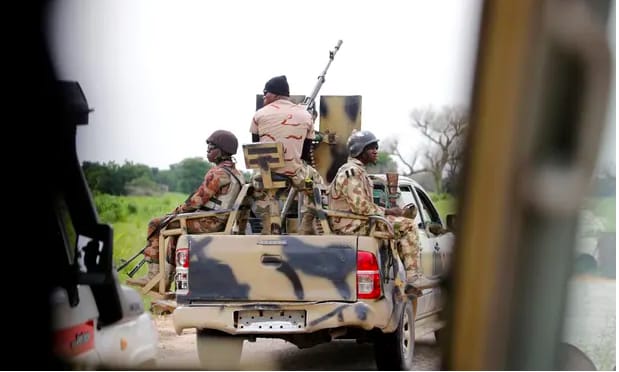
column 153, row 269
column 307, row 224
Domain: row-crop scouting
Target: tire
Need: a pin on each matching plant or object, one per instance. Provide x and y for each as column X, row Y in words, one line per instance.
column 218, row 351
column 585, row 264
column 394, row 351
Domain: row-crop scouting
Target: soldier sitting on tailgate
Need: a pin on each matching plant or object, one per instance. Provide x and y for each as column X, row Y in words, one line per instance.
column 351, row 191
column 219, row 190
column 281, row 120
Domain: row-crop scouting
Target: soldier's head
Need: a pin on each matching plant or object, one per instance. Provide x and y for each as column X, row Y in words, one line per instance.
column 275, row 89
column 222, row 144
column 363, row 145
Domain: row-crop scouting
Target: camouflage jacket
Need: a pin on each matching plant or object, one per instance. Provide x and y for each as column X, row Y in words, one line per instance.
column 218, row 186
column 352, row 191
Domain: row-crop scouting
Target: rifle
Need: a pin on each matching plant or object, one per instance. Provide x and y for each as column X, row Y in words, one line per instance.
column 137, row 267
column 392, row 188
column 310, row 101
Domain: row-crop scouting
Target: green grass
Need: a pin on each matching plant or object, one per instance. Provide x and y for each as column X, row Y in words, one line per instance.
column 604, row 207
column 445, row 203
column 131, row 227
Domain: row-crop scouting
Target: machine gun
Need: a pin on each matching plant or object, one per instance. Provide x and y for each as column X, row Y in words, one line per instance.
column 310, row 102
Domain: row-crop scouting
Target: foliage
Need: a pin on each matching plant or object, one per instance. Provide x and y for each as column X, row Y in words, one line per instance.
column 445, row 204
column 605, row 209
column 189, row 173
column 138, row 179
column 129, row 217
column 384, row 163
column 445, row 131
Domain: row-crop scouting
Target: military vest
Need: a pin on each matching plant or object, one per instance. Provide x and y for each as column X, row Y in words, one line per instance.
column 226, row 201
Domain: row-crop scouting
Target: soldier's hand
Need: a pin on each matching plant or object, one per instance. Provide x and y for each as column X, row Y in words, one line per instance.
column 395, row 211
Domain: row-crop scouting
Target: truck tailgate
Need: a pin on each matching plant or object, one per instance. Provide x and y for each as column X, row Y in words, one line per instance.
column 271, row 268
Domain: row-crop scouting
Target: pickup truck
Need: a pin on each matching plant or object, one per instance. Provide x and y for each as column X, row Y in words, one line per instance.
column 310, row 289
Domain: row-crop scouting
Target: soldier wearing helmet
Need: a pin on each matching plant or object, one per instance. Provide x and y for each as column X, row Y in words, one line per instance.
column 281, row 120
column 219, row 190
column 352, row 191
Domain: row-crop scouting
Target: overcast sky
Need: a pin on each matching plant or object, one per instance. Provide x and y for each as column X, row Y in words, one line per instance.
column 162, row 75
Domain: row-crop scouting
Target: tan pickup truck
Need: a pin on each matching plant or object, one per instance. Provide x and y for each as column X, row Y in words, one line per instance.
column 309, row 289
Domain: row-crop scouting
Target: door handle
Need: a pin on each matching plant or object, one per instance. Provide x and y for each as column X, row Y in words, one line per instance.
column 270, row 259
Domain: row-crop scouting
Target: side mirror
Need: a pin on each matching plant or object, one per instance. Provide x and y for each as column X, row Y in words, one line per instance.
column 451, row 222
column 436, row 228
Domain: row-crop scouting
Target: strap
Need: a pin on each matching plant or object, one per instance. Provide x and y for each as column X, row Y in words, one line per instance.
column 232, row 174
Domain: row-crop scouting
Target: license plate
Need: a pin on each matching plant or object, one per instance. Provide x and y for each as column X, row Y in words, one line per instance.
column 270, row 320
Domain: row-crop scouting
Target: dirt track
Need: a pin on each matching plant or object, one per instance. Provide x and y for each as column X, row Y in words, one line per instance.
column 179, row 352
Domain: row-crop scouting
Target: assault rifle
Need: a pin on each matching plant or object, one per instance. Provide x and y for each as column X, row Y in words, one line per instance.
column 141, row 251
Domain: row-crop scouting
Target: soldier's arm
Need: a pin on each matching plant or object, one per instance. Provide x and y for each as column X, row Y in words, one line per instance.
column 359, row 198
column 253, row 129
column 213, row 181
column 308, row 142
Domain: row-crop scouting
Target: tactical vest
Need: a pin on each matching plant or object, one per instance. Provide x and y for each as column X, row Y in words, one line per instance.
column 225, row 201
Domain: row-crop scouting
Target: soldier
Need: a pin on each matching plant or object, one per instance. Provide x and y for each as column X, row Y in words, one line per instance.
column 281, row 120
column 351, row 191
column 219, row 190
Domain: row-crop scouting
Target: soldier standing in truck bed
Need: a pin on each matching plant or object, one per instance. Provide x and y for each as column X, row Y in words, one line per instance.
column 351, row 191
column 281, row 120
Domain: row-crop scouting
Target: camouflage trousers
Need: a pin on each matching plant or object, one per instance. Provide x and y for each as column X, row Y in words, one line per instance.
column 408, row 244
column 407, row 236
column 194, row 226
column 265, row 205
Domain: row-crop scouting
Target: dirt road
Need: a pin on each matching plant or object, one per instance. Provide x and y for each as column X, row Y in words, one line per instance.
column 179, row 352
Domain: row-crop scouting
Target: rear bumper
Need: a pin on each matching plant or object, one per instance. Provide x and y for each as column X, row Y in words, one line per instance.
column 319, row 316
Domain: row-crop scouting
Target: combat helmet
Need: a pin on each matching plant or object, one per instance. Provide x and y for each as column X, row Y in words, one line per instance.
column 225, row 140
column 358, row 140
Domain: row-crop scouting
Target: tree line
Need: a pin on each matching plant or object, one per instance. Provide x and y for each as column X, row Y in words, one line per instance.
column 139, row 179
column 435, row 164
column 183, row 177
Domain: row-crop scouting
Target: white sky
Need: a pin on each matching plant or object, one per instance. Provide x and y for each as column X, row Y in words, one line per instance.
column 162, row 75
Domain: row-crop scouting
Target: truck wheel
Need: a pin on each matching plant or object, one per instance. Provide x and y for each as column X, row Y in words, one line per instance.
column 218, row 350
column 394, row 351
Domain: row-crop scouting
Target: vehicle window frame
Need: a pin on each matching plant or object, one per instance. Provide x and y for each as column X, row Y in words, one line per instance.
column 423, row 200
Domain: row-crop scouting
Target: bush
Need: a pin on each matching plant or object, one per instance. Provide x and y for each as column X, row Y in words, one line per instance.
column 111, row 209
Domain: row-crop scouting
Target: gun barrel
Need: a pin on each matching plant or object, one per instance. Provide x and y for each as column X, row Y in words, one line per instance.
column 309, row 101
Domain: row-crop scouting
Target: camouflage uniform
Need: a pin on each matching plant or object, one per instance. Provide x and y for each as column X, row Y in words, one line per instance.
column 217, row 185
column 290, row 124
column 352, row 191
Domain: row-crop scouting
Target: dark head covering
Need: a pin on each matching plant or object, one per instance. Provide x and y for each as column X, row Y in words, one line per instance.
column 278, row 85
column 225, row 140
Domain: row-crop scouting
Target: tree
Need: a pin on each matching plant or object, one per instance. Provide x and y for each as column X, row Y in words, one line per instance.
column 384, row 163
column 445, row 131
column 189, row 174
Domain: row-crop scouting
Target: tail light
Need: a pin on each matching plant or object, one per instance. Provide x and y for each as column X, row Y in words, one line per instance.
column 368, row 276
column 181, row 278
column 182, row 257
